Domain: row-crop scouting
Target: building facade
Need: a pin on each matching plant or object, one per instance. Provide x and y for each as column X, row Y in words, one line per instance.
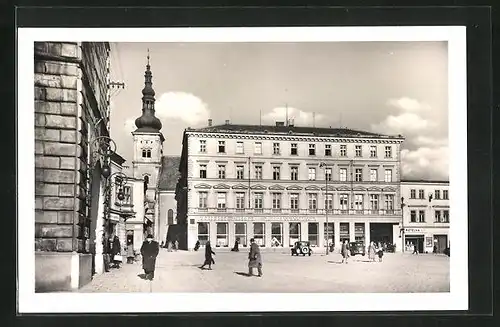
column 426, row 213
column 281, row 184
column 71, row 109
column 167, row 204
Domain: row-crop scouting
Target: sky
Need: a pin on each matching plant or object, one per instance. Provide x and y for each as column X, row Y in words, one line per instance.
column 384, row 87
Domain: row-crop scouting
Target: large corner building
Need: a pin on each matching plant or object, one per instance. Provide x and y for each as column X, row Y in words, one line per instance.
column 282, row 183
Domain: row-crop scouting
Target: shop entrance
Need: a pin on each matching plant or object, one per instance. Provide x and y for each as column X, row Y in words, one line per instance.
column 381, row 233
column 442, row 242
column 411, row 240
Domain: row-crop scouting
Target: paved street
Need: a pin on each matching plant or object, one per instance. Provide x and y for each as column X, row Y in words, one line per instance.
column 179, row 272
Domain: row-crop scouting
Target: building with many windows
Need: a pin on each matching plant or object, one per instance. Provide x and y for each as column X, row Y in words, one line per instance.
column 426, row 212
column 283, row 183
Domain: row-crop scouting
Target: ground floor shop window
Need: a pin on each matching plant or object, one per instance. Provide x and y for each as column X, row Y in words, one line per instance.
column 203, row 233
column 240, row 232
column 330, row 233
column 294, row 233
column 359, row 232
column 312, row 231
column 344, row 232
column 259, row 233
column 276, row 234
column 222, row 235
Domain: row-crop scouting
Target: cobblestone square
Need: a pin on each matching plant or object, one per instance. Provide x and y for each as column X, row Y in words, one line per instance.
column 180, row 272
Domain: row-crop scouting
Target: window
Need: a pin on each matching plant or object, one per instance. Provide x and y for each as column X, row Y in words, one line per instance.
column 170, row 217
column 413, row 194
column 343, row 174
column 312, row 149
column 328, row 150
column 146, row 153
column 446, row 216
column 329, row 202
column 294, row 202
column 344, row 232
column 294, row 173
column 239, row 148
column 312, row 231
column 374, row 203
column 203, row 171
column 389, row 204
column 388, row 176
column 343, row 150
column 358, row 151
column 276, row 148
column 293, row 149
column 421, row 194
column 221, row 169
column 240, row 201
column 202, row 200
column 203, row 233
column 359, row 232
column 259, row 233
column 373, row 175
column 437, row 195
column 328, row 232
column 437, row 216
column 328, row 174
column 221, row 201
column 240, row 172
column 222, row 235
column 388, row 151
column 358, row 175
column 312, row 174
column 445, row 194
column 258, row 199
column 421, row 216
column 294, row 233
column 203, row 146
column 258, row 172
column 276, row 201
column 276, row 173
column 222, row 147
column 313, row 202
column 258, row 147
column 240, row 233
column 344, row 199
column 276, row 234
column 373, row 151
column 413, row 216
column 358, row 202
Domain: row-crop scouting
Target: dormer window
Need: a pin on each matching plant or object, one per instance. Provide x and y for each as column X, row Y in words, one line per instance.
column 146, row 153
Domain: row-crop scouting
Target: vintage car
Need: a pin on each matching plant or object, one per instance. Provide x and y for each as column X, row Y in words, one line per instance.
column 301, row 247
column 357, row 248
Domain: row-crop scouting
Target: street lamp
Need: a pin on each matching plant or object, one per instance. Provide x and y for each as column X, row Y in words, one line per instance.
column 403, row 225
column 323, row 165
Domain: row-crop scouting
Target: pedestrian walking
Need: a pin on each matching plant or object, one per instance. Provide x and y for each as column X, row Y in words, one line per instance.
column 435, row 249
column 169, row 246
column 380, row 253
column 115, row 252
column 415, row 249
column 371, row 251
column 176, row 245
column 236, row 245
column 254, row 259
column 197, row 245
column 149, row 252
column 209, row 260
column 345, row 251
column 130, row 252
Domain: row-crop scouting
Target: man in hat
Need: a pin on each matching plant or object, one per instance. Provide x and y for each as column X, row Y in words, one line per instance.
column 254, row 258
column 149, row 252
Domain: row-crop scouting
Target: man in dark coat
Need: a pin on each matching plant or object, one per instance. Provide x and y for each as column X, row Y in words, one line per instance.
column 149, row 252
column 208, row 256
column 254, row 259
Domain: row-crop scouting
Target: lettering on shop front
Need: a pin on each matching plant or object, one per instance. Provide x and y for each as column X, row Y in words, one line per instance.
column 243, row 219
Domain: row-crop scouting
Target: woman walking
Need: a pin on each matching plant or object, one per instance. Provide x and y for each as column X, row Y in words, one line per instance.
column 371, row 251
column 130, row 251
column 115, row 252
column 209, row 260
column 380, row 253
column 254, row 259
column 345, row 252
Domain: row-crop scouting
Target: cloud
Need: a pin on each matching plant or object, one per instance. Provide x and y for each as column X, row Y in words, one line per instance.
column 182, row 106
column 426, row 163
column 408, row 104
column 129, row 126
column 405, row 123
column 299, row 117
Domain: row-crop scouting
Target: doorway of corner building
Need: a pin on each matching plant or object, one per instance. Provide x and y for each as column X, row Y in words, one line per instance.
column 416, row 239
column 442, row 242
column 381, row 233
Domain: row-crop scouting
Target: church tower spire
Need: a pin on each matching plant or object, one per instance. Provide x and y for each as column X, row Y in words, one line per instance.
column 148, row 122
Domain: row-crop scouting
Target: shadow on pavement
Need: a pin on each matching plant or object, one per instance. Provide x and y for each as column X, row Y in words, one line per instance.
column 242, row 274
column 142, row 276
column 337, row 262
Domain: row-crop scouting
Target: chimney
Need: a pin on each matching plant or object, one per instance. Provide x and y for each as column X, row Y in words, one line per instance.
column 227, row 121
column 291, row 122
column 280, row 123
column 210, row 122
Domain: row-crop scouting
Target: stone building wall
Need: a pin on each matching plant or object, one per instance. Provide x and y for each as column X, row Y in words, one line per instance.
column 65, row 107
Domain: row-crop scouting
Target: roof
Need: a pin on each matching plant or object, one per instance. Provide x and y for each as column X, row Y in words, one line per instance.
column 169, row 173
column 297, row 130
column 118, row 159
column 423, row 181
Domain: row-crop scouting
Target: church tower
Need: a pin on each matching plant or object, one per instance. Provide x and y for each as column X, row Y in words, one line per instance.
column 148, row 140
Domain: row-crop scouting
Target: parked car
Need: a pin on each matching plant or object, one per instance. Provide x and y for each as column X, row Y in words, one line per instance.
column 357, row 248
column 301, row 247
column 391, row 248
column 447, row 251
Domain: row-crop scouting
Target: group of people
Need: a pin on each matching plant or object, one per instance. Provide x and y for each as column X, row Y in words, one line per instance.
column 373, row 251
